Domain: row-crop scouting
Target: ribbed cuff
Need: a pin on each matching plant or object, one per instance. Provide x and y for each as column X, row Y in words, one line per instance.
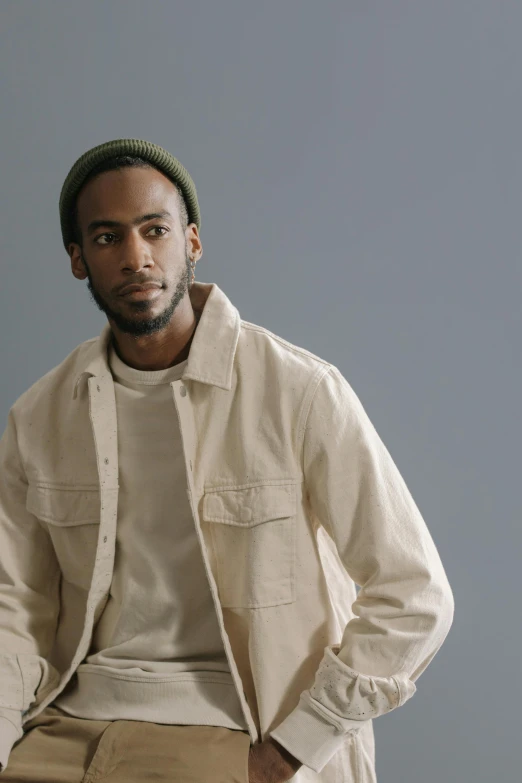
column 311, row 736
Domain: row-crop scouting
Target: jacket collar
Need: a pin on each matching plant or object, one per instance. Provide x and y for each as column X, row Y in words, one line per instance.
column 212, row 350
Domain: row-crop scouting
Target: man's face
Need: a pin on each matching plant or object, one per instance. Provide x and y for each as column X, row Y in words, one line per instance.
column 114, row 256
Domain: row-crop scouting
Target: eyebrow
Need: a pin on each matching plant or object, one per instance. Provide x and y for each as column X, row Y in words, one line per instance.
column 95, row 224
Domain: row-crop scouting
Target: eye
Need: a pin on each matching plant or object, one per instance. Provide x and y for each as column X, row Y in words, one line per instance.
column 108, row 234
column 154, row 228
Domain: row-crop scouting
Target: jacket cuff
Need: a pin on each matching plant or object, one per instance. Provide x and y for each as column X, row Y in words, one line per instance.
column 9, row 734
column 312, row 734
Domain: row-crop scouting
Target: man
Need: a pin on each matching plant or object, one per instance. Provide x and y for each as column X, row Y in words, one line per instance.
column 186, row 505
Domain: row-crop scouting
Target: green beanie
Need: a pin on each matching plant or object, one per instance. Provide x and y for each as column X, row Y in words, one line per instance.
column 156, row 155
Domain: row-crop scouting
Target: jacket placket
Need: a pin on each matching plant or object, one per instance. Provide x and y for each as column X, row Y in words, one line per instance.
column 185, row 412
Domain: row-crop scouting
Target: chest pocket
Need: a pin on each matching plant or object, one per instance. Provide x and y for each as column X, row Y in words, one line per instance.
column 253, row 533
column 72, row 517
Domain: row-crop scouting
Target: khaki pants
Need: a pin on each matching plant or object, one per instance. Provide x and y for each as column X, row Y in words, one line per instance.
column 59, row 748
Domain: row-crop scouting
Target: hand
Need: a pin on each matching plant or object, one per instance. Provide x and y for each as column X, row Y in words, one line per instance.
column 270, row 762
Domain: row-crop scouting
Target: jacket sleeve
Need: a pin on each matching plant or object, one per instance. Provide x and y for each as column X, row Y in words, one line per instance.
column 404, row 608
column 29, row 596
column 10, row 732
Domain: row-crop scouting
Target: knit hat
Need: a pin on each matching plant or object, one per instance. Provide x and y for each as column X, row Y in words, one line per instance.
column 156, row 155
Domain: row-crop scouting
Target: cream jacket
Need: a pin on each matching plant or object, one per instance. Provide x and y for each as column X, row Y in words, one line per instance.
column 295, row 501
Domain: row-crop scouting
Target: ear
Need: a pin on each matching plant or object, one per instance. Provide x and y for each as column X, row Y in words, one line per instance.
column 77, row 265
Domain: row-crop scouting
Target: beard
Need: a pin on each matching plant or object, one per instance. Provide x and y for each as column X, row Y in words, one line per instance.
column 139, row 324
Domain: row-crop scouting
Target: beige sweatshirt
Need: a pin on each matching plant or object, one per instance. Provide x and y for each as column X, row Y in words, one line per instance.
column 156, row 652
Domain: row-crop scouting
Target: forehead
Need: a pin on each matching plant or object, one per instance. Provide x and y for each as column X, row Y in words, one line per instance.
column 126, row 190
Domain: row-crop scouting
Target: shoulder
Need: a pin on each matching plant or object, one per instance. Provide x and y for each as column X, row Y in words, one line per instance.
column 58, row 379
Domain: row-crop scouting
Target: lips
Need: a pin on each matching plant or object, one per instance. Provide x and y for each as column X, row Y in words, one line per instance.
column 137, row 287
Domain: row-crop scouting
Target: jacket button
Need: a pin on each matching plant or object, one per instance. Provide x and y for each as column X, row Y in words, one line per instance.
column 182, row 391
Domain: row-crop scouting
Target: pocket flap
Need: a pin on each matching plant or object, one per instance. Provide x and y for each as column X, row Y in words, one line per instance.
column 249, row 507
column 64, row 506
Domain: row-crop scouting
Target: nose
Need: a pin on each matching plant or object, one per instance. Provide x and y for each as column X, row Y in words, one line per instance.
column 135, row 252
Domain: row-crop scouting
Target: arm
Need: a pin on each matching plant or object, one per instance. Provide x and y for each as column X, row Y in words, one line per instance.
column 29, row 596
column 404, row 608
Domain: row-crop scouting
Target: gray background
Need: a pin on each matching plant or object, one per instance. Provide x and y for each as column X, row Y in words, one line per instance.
column 358, row 170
